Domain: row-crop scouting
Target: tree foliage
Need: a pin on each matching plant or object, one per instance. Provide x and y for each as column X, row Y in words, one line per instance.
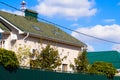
column 81, row 62
column 103, row 68
column 8, row 59
column 23, row 54
column 48, row 59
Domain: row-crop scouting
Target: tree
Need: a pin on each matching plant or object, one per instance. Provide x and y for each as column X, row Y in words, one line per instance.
column 81, row 62
column 103, row 68
column 23, row 54
column 48, row 59
column 8, row 59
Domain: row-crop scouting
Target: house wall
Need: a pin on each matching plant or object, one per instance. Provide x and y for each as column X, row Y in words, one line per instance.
column 7, row 40
column 10, row 38
column 14, row 40
column 64, row 50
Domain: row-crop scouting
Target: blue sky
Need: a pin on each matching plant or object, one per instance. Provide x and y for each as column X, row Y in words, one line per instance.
column 99, row 18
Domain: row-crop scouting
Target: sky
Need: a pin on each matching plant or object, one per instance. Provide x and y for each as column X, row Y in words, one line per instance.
column 98, row 18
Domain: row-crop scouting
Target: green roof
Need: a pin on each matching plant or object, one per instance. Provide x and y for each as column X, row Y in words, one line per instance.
column 4, row 28
column 40, row 28
column 105, row 56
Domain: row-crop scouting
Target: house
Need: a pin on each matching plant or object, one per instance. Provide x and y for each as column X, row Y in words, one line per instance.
column 16, row 31
column 105, row 56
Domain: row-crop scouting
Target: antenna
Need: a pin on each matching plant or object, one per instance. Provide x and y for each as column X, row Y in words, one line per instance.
column 23, row 3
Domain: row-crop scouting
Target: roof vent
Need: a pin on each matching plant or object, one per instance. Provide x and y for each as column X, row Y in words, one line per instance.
column 31, row 15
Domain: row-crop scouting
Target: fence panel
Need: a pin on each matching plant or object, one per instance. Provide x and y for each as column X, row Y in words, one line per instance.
column 29, row 74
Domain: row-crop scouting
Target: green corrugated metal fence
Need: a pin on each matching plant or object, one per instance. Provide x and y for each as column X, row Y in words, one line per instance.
column 28, row 74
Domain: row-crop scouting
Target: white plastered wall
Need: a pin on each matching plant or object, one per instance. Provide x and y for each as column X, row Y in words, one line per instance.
column 64, row 50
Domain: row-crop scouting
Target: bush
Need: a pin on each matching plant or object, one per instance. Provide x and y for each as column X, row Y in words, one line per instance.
column 103, row 68
column 8, row 59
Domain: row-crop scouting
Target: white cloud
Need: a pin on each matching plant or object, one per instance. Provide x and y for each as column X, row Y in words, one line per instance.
column 75, row 25
column 90, row 48
column 107, row 32
column 116, row 47
column 14, row 12
column 109, row 20
column 73, row 9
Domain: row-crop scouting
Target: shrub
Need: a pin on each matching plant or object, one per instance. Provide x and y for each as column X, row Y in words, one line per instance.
column 8, row 59
column 103, row 68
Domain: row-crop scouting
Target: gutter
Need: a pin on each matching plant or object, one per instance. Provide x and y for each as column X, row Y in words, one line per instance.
column 57, row 40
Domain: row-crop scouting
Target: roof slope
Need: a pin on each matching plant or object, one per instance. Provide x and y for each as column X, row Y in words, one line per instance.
column 4, row 28
column 105, row 56
column 40, row 28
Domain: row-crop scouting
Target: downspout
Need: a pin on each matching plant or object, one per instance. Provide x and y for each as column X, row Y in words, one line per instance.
column 26, row 36
column 2, row 43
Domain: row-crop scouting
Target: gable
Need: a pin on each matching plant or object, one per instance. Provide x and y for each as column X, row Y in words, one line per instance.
column 40, row 29
column 3, row 28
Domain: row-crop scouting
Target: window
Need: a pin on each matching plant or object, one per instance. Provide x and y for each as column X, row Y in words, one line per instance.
column 64, row 67
column 36, row 28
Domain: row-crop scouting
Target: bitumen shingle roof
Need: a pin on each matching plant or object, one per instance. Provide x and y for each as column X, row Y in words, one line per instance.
column 4, row 28
column 40, row 28
column 105, row 56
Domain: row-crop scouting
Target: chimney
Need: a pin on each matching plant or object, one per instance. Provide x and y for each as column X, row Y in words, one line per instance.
column 31, row 15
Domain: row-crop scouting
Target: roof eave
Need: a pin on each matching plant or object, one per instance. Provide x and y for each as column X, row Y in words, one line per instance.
column 19, row 31
column 57, row 40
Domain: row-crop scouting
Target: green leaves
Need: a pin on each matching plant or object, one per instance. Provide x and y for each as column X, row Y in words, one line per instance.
column 103, row 68
column 8, row 59
column 23, row 54
column 48, row 59
column 81, row 62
